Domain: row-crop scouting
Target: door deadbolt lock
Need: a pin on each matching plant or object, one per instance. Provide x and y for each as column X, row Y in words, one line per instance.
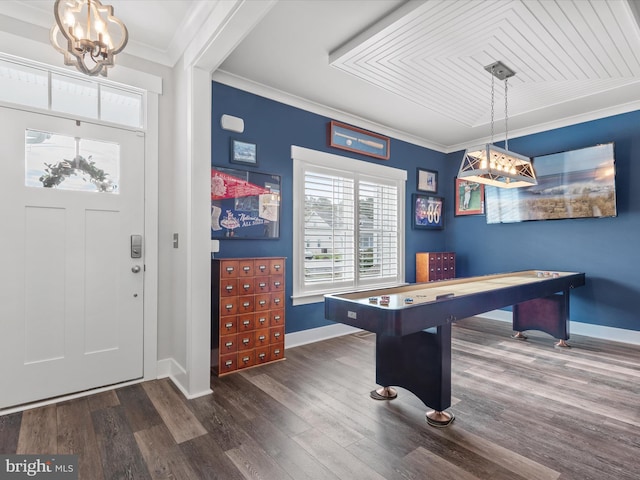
column 136, row 246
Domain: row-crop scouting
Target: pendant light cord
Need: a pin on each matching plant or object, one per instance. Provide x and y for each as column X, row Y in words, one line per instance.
column 506, row 115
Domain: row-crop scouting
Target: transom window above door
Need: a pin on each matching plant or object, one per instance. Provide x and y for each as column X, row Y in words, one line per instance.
column 38, row 87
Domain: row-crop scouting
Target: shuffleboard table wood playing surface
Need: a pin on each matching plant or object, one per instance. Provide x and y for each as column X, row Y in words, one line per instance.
column 412, row 324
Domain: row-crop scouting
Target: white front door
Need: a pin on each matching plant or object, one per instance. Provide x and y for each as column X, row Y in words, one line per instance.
column 71, row 295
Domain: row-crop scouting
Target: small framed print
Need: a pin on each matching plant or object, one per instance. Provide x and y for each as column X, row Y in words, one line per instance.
column 244, row 153
column 427, row 212
column 427, row 181
column 469, row 197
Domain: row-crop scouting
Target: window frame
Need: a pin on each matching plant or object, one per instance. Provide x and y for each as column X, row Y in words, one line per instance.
column 303, row 159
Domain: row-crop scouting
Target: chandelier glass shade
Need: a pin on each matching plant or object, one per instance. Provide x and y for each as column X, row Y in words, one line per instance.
column 88, row 35
column 492, row 165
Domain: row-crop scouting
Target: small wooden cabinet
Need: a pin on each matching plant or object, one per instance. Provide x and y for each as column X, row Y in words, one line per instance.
column 247, row 312
column 432, row 266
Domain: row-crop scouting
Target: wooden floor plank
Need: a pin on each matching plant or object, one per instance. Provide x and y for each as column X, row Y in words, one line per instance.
column 208, row 460
column 103, row 400
column 294, row 459
column 9, row 432
column 181, row 422
column 39, row 431
column 76, row 436
column 140, row 411
column 121, row 457
column 163, row 457
column 341, row 462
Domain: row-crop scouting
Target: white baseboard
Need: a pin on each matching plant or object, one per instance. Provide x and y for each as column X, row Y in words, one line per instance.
column 602, row 332
column 168, row 367
column 312, row 335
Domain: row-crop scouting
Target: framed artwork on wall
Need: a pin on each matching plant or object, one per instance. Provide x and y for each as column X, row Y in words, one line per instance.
column 427, row 212
column 427, row 181
column 244, row 205
column 244, row 153
column 469, row 197
column 357, row 140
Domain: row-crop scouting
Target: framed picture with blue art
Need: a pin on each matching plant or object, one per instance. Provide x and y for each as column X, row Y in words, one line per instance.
column 244, row 153
column 427, row 181
column 428, row 212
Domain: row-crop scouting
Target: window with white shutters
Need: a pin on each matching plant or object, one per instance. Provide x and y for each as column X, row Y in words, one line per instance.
column 350, row 225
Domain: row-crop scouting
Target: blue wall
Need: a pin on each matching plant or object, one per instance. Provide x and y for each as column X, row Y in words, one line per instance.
column 605, row 249
column 274, row 127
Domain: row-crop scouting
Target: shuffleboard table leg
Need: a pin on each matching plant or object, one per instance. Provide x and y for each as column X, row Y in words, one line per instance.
column 519, row 336
column 439, row 419
column 562, row 344
column 384, row 393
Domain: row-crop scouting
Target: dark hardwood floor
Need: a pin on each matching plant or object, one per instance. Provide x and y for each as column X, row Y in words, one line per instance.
column 524, row 410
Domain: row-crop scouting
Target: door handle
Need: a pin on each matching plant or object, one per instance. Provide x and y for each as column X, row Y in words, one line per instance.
column 135, row 269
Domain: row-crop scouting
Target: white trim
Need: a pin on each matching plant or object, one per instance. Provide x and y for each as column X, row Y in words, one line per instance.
column 169, row 368
column 312, row 335
column 151, row 218
column 339, row 162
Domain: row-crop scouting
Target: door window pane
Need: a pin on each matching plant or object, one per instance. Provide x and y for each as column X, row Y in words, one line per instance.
column 70, row 163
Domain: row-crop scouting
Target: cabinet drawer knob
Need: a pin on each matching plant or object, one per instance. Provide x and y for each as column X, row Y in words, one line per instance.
column 246, row 341
column 262, row 320
column 245, row 359
column 263, row 302
column 276, row 301
column 276, row 351
column 229, row 306
column 262, row 338
column 277, row 334
column 228, row 344
column 262, row 355
column 262, row 285
column 277, row 284
column 228, row 325
column 228, row 363
column 246, row 286
column 246, row 304
column 262, row 268
column 229, row 269
column 246, row 269
column 277, row 318
column 276, row 267
column 229, row 288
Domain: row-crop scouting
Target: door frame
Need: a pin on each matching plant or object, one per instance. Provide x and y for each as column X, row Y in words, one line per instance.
column 150, row 279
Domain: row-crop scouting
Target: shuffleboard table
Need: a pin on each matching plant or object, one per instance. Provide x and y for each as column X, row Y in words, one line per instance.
column 412, row 324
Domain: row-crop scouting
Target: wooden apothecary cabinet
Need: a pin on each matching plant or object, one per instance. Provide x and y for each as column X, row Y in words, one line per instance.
column 247, row 312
